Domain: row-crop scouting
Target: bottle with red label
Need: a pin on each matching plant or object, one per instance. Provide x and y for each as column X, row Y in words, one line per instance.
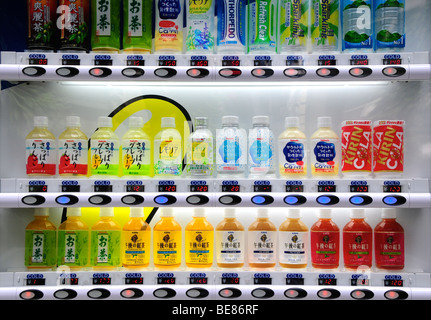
column 41, row 24
column 325, row 242
column 389, row 242
column 356, row 148
column 357, row 241
column 388, row 153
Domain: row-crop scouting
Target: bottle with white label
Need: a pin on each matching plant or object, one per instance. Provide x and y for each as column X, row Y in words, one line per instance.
column 261, row 148
column 262, row 241
column 293, row 241
column 230, row 241
column 231, row 149
column 292, row 150
column 136, row 150
column 40, row 145
column 105, row 150
column 168, row 155
column 73, row 149
column 200, row 150
column 324, row 150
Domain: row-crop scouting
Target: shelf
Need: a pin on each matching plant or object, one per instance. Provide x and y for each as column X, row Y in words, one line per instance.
column 37, row 66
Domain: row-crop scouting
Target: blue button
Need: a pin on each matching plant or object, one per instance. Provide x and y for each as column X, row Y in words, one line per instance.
column 324, row 200
column 291, row 200
column 258, row 200
column 357, row 200
column 390, row 200
column 63, row 200
column 161, row 199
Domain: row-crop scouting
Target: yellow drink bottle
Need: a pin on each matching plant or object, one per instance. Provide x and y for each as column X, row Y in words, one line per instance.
column 199, row 241
column 136, row 240
column 167, row 241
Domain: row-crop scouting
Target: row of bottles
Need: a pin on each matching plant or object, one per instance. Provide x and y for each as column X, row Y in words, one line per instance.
column 277, row 26
column 363, row 149
column 108, row 245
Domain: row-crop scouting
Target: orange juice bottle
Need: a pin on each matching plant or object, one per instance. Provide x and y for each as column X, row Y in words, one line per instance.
column 325, row 242
column 136, row 240
column 167, row 241
column 262, row 241
column 293, row 241
column 230, row 241
column 40, row 241
column 389, row 242
column 106, row 241
column 357, row 241
column 199, row 241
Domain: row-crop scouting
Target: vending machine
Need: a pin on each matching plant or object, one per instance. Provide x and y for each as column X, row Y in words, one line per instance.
column 230, row 152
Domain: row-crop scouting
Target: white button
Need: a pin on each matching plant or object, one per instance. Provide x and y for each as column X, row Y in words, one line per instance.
column 160, row 293
column 226, row 200
column 323, row 72
column 29, row 200
column 63, row 72
column 226, row 293
column 259, row 293
column 96, row 200
column 291, row 293
column 161, row 72
column 129, row 199
column 61, row 294
column 30, row 71
column 193, row 293
column 390, row 71
column 95, row 294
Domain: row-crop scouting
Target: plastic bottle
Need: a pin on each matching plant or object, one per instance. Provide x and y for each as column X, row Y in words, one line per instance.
column 105, row 150
column 136, row 150
column 231, row 149
column 325, row 242
column 200, row 26
column 73, row 149
column 137, row 26
column 230, row 241
column 292, row 150
column 40, row 241
column 389, row 242
column 136, row 239
column 261, row 148
column 169, row 17
column 324, row 25
column 199, row 241
column 232, row 26
column 168, row 156
column 293, row 25
column 105, row 25
column 390, row 24
column 325, row 150
column 41, row 22
column 40, row 145
column 356, row 21
column 106, row 241
column 200, row 150
column 262, row 24
column 167, row 241
column 262, row 241
column 293, row 241
column 73, row 241
column 357, row 241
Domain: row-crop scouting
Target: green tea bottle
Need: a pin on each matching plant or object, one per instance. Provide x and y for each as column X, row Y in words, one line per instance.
column 137, row 26
column 105, row 25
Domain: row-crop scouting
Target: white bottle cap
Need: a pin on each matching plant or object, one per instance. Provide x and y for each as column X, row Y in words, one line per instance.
column 199, row 212
column 230, row 120
column 291, row 122
column 293, row 213
column 106, row 212
column 168, row 122
column 40, row 212
column 73, row 121
column 40, row 121
column 229, row 213
column 104, row 122
column 325, row 214
column 324, row 122
column 73, row 212
column 167, row 212
column 136, row 122
column 262, row 120
column 262, row 213
column 357, row 214
column 389, row 213
column 136, row 212
column 201, row 121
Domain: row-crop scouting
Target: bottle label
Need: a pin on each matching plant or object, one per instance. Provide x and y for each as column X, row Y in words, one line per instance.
column 134, row 16
column 40, row 248
column 388, row 140
column 136, row 157
column 200, row 157
column 136, row 247
column 357, row 248
column 200, row 34
column 324, row 15
column 293, row 247
column 167, row 247
column 199, row 247
column 292, row 157
column 105, row 246
column 168, row 157
column 231, row 154
column 261, row 151
column 389, row 249
column 262, row 246
column 73, row 156
column 325, row 156
column 41, row 157
column 356, row 146
column 325, row 247
column 73, row 248
column 103, row 18
column 104, row 157
column 230, row 247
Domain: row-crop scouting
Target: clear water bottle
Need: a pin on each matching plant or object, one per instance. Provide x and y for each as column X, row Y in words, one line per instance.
column 390, row 24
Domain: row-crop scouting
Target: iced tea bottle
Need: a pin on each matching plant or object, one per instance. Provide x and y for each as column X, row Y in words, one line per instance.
column 199, row 241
